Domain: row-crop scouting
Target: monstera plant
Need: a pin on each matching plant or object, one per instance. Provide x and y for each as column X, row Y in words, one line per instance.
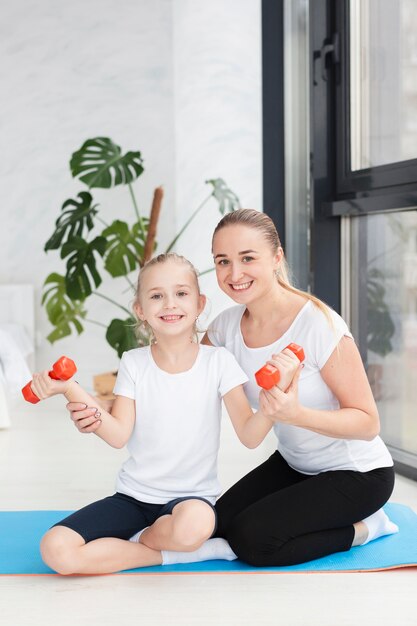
column 92, row 244
column 381, row 328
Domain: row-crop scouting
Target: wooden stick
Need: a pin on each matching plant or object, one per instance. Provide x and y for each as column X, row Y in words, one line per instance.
column 153, row 222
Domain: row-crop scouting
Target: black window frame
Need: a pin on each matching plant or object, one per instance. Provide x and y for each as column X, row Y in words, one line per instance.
column 375, row 189
column 273, row 135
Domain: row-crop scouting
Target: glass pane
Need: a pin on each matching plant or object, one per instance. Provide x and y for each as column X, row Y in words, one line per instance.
column 384, row 318
column 383, row 81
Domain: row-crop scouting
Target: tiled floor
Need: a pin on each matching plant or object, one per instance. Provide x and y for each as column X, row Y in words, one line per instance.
column 45, row 463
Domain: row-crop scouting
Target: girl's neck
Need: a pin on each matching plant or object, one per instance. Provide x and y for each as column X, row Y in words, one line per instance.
column 174, row 354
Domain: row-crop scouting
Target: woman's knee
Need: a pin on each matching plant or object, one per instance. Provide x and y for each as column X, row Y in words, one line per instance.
column 252, row 543
column 59, row 549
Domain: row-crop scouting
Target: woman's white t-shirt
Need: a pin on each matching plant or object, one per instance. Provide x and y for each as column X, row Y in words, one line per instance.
column 304, row 450
column 174, row 444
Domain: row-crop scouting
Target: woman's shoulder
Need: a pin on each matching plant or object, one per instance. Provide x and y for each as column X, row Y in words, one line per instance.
column 321, row 315
column 217, row 354
column 214, row 351
column 231, row 315
column 225, row 325
column 319, row 330
column 221, row 363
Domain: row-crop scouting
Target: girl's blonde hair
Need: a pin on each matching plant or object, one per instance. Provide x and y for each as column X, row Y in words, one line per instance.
column 263, row 223
column 159, row 260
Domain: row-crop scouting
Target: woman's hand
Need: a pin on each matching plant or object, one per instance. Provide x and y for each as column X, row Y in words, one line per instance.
column 44, row 386
column 287, row 363
column 280, row 406
column 86, row 418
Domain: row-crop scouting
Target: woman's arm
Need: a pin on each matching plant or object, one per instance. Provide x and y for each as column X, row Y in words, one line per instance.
column 345, row 375
column 250, row 427
column 115, row 428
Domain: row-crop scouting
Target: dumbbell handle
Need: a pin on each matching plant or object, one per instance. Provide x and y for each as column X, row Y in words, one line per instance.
column 63, row 369
column 268, row 375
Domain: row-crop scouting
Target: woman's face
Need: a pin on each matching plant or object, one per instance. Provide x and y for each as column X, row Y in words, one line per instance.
column 245, row 263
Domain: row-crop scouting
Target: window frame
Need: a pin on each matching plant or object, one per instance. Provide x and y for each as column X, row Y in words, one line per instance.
column 273, row 135
column 380, row 188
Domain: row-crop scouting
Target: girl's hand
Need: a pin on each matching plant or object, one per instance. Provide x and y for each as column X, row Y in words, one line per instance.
column 44, row 386
column 86, row 418
column 282, row 406
column 287, row 363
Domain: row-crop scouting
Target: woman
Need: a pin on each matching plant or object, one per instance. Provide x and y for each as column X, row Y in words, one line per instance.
column 322, row 490
column 316, row 494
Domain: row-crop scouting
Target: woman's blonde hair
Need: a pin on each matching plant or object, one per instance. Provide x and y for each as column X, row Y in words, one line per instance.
column 159, row 260
column 263, row 223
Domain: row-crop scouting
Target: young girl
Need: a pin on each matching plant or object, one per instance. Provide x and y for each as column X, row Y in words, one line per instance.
column 167, row 410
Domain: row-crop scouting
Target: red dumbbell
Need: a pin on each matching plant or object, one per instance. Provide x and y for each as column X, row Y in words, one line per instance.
column 63, row 369
column 268, row 375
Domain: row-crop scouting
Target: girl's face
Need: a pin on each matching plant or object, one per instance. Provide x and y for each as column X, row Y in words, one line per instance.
column 169, row 300
column 245, row 263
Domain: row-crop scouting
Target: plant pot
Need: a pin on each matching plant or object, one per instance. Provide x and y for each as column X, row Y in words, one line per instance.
column 103, row 385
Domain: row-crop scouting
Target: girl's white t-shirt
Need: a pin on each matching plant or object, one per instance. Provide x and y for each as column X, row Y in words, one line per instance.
column 174, row 444
column 304, row 450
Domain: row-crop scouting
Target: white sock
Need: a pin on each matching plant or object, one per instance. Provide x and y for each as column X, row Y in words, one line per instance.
column 136, row 536
column 210, row 550
column 378, row 525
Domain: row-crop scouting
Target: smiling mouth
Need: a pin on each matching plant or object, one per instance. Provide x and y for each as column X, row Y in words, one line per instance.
column 171, row 318
column 241, row 286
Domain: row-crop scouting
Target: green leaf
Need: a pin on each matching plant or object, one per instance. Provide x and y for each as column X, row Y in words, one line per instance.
column 380, row 325
column 124, row 248
column 73, row 220
column 227, row 202
column 100, row 163
column 78, row 279
column 227, row 199
column 62, row 312
column 121, row 335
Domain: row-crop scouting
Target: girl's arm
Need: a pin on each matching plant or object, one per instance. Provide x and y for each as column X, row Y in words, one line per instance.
column 115, row 427
column 345, row 375
column 250, row 427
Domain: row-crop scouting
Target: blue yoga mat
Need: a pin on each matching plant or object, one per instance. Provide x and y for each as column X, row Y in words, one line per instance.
column 21, row 531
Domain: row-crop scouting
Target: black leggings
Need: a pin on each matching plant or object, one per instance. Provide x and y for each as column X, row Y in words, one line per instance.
column 277, row 516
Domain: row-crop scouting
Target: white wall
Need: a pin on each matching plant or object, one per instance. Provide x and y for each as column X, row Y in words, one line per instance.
column 217, row 64
column 177, row 79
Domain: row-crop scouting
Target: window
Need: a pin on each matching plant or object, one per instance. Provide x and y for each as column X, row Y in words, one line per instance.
column 384, row 317
column 364, row 181
column 376, row 154
column 376, row 101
